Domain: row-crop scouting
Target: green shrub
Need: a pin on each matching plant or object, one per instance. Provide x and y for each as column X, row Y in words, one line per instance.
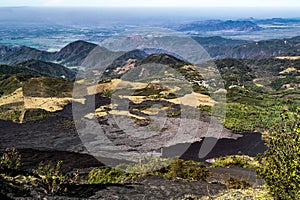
column 243, row 117
column 257, row 193
column 107, row 93
column 205, row 108
column 233, row 183
column 187, row 170
column 47, row 87
column 12, row 114
column 104, row 81
column 280, row 164
column 9, row 85
column 174, row 114
column 52, row 179
column 36, row 114
column 164, row 95
column 236, row 160
column 10, row 161
column 108, row 176
column 124, row 172
column 150, row 166
column 150, row 89
column 167, row 168
column 187, row 197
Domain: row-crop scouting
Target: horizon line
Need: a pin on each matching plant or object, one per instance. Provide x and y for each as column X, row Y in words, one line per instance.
column 193, row 7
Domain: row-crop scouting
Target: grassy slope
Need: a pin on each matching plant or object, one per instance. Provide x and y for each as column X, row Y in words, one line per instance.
column 255, row 91
column 34, row 98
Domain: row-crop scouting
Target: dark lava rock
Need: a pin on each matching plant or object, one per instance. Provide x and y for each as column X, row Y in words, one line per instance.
column 148, row 188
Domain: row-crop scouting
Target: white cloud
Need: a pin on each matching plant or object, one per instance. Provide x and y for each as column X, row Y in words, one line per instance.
column 54, row 3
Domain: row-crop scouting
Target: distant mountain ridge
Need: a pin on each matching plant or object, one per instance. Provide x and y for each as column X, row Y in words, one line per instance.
column 248, row 49
column 276, row 21
column 219, row 25
column 20, row 54
column 49, row 69
column 72, row 54
column 4, row 50
column 164, row 59
column 219, row 41
column 37, row 68
column 124, row 63
column 76, row 53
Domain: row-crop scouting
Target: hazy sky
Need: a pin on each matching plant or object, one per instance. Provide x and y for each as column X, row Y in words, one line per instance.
column 154, row 3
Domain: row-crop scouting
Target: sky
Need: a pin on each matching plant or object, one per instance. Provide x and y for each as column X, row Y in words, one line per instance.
column 151, row 3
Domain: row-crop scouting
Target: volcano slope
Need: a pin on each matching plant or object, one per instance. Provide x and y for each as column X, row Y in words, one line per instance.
column 149, row 102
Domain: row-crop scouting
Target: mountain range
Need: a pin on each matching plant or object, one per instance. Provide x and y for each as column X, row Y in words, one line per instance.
column 76, row 52
column 24, row 63
column 72, row 54
column 28, row 80
column 218, row 25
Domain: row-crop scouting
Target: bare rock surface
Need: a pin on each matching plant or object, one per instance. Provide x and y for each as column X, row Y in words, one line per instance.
column 58, row 133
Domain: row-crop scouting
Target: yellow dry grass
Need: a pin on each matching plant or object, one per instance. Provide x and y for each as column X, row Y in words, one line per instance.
column 15, row 97
column 102, row 111
column 115, row 84
column 189, row 67
column 154, row 110
column 51, row 104
column 193, row 100
column 289, row 70
column 260, row 193
column 288, row 57
column 26, row 103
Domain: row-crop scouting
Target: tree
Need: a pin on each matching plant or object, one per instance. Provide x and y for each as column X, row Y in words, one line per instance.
column 280, row 164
